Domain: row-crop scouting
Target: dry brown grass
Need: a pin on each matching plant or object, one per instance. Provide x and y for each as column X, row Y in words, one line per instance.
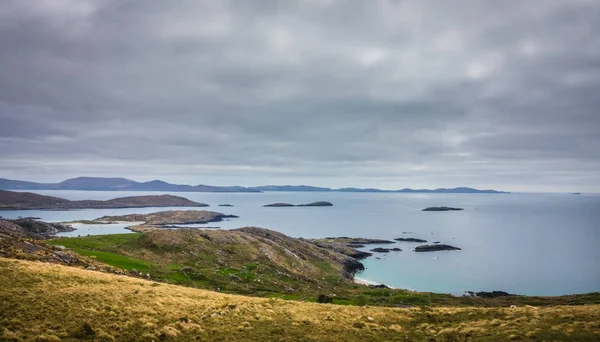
column 47, row 302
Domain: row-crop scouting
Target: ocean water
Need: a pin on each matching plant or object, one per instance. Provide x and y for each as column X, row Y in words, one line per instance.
column 531, row 244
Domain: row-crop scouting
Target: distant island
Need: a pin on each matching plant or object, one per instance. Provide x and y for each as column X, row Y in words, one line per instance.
column 11, row 200
column 442, row 209
column 313, row 204
column 124, row 184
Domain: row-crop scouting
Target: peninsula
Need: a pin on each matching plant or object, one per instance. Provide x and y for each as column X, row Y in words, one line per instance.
column 11, row 200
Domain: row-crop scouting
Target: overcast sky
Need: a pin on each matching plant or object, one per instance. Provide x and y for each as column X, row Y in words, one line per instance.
column 388, row 94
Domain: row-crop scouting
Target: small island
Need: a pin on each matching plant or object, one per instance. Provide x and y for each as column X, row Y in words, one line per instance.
column 442, row 209
column 225, row 205
column 356, row 241
column 385, row 250
column 411, row 240
column 169, row 217
column 435, row 248
column 277, row 205
column 316, row 204
column 313, row 204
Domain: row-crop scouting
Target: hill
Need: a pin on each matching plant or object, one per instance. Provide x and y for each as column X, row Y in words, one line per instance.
column 116, row 184
column 124, row 184
column 12, row 200
column 108, row 307
column 247, row 260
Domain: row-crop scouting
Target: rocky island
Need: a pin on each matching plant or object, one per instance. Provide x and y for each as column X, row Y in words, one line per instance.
column 410, row 240
column 11, row 200
column 442, row 209
column 385, row 250
column 347, row 245
column 435, row 248
column 313, row 204
column 165, row 219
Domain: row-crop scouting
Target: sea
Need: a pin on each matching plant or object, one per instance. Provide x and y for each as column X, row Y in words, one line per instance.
column 523, row 243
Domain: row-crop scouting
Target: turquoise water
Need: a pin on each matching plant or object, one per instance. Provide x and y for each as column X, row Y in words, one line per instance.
column 533, row 244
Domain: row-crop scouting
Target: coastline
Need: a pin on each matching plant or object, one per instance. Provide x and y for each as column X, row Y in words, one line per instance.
column 364, row 281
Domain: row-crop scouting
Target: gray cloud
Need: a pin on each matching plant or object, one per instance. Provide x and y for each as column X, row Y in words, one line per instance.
column 364, row 93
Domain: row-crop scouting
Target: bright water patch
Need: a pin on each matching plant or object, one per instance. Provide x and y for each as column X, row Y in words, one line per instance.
column 97, row 229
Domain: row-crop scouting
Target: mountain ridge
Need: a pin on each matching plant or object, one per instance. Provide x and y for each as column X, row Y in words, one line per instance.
column 124, row 184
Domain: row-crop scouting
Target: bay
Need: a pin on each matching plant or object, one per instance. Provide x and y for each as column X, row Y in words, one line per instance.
column 523, row 243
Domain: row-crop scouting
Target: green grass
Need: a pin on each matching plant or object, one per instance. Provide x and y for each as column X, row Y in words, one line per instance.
column 116, row 260
column 102, row 242
column 102, row 248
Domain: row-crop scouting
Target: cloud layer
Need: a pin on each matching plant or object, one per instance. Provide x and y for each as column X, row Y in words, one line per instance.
column 338, row 93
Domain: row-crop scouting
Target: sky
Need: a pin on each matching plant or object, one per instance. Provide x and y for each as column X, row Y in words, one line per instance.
column 386, row 94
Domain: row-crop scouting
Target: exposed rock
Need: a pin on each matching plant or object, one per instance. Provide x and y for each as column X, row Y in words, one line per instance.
column 380, row 286
column 341, row 248
column 359, row 241
column 434, row 248
column 42, row 228
column 324, row 299
column 225, row 205
column 492, row 294
column 442, row 209
column 410, row 240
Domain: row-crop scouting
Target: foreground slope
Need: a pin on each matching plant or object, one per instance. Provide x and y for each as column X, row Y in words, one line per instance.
column 49, row 302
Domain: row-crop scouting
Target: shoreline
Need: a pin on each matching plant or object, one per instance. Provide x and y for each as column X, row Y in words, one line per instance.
column 362, row 281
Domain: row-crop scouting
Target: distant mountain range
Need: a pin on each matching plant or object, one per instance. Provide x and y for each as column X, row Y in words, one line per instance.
column 124, row 184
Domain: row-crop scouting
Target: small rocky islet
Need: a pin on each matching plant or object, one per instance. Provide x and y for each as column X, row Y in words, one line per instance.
column 442, row 209
column 436, row 248
column 313, row 204
column 410, row 240
column 385, row 250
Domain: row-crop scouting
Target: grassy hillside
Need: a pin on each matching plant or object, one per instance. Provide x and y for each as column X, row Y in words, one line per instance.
column 249, row 260
column 48, row 302
column 264, row 263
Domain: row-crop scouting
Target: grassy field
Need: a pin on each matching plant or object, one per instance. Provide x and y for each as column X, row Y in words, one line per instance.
column 47, row 302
